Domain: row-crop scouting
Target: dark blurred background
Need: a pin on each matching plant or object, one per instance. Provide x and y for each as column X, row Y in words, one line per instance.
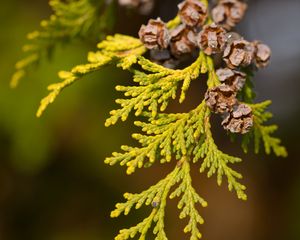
column 53, row 182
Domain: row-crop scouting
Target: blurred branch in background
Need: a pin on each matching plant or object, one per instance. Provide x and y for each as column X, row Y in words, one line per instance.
column 70, row 20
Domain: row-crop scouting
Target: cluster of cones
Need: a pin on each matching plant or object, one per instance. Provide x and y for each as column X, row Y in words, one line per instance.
column 212, row 36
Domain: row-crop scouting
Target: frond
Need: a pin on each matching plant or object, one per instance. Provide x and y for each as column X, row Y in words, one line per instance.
column 216, row 162
column 185, row 138
column 263, row 133
column 157, row 196
column 70, row 20
column 111, row 51
column 166, row 136
column 187, row 204
column 156, row 86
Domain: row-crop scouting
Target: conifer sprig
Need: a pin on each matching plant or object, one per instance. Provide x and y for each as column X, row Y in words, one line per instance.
column 216, row 162
column 263, row 133
column 166, row 136
column 155, row 88
column 157, row 196
column 70, row 20
column 183, row 138
column 188, row 202
column 119, row 49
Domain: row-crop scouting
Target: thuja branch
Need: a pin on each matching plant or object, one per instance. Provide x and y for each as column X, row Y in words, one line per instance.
column 263, row 133
column 157, row 196
column 217, row 162
column 70, row 20
column 166, row 136
column 155, row 88
column 184, row 139
column 120, row 50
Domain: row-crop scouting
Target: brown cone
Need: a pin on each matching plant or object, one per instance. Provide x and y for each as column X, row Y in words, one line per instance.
column 239, row 53
column 240, row 120
column 232, row 78
column 193, row 13
column 155, row 34
column 183, row 40
column 212, row 39
column 262, row 54
column 229, row 12
column 221, row 99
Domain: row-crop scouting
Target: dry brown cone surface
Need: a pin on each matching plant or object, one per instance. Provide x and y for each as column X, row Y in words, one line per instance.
column 239, row 53
column 183, row 40
column 212, row 39
column 262, row 54
column 232, row 78
column 193, row 13
column 220, row 99
column 228, row 13
column 155, row 34
column 240, row 120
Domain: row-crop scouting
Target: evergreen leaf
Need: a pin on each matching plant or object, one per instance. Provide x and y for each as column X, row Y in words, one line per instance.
column 110, row 52
column 154, row 89
column 216, row 162
column 166, row 136
column 262, row 133
column 74, row 19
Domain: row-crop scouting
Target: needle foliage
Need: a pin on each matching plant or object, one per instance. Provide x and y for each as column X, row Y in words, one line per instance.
column 184, row 139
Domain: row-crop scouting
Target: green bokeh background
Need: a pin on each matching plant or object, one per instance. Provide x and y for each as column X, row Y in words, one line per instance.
column 54, row 184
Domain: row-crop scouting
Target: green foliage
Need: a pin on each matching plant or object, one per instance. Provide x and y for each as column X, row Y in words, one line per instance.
column 217, row 163
column 119, row 49
column 71, row 19
column 157, row 196
column 167, row 136
column 262, row 133
column 155, row 88
column 183, row 138
column 247, row 94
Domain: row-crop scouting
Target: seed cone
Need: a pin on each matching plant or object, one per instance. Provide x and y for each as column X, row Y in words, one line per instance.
column 155, row 34
column 212, row 39
column 240, row 120
column 183, row 40
column 234, row 79
column 239, row 53
column 193, row 13
column 228, row 13
column 221, row 99
column 262, row 54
